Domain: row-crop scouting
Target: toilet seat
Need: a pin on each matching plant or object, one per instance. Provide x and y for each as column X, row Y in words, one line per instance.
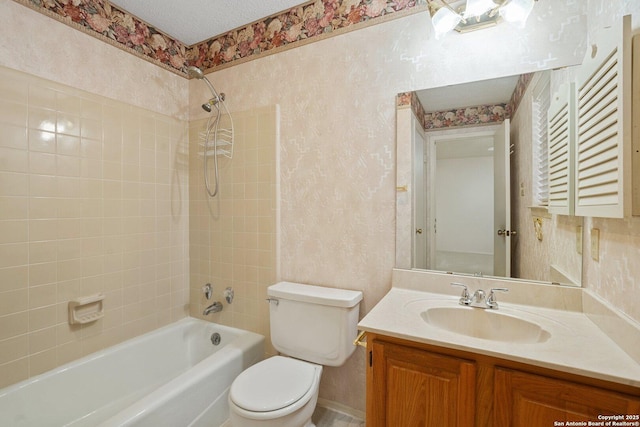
column 273, row 384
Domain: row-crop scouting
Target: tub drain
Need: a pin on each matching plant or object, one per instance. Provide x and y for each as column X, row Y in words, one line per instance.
column 215, row 338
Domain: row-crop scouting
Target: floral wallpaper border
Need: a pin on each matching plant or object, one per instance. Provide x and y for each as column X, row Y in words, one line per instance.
column 465, row 116
column 518, row 93
column 319, row 18
column 406, row 99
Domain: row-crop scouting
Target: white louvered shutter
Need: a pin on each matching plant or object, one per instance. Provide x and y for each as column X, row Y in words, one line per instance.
column 541, row 99
column 561, row 119
column 603, row 156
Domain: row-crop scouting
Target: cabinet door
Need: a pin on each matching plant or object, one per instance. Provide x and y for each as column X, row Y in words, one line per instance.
column 412, row 388
column 525, row 400
column 561, row 124
column 603, row 157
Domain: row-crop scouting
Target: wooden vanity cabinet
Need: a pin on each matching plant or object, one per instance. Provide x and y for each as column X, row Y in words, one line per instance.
column 523, row 399
column 411, row 384
column 412, row 388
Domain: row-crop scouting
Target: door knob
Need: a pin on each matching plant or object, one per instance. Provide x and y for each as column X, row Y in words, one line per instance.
column 418, row 230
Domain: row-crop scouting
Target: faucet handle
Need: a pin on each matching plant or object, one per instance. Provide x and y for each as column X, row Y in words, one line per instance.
column 465, row 298
column 207, row 290
column 492, row 302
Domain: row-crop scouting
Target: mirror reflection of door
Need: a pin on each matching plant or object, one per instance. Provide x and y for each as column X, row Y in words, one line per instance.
column 502, row 202
column 470, row 183
column 419, row 213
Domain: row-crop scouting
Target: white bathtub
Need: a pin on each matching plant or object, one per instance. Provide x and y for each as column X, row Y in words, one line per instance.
column 173, row 376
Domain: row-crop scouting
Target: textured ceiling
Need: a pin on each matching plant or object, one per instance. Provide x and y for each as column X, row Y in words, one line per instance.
column 484, row 92
column 193, row 21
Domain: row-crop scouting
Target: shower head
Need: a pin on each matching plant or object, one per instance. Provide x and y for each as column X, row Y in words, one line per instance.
column 213, row 102
column 195, row 72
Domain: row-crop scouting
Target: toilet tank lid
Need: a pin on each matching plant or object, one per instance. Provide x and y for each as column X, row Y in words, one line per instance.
column 315, row 294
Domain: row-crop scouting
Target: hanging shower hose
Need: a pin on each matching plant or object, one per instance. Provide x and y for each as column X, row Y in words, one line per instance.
column 215, row 151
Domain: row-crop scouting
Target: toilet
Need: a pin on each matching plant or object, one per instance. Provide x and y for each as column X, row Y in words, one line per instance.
column 311, row 327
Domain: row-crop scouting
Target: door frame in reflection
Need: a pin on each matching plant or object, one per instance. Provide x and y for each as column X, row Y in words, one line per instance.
column 492, row 256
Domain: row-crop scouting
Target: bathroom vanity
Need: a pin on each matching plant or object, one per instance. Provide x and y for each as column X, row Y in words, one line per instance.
column 537, row 365
column 414, row 384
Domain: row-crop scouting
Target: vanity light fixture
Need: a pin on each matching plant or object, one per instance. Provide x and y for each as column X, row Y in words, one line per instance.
column 444, row 19
column 470, row 15
column 475, row 8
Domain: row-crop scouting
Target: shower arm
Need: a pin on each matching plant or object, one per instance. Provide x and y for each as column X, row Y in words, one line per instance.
column 197, row 73
column 213, row 90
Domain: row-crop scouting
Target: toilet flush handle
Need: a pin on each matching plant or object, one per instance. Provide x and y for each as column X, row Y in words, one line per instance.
column 270, row 300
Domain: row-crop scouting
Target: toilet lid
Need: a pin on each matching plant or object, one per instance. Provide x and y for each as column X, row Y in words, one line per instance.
column 272, row 384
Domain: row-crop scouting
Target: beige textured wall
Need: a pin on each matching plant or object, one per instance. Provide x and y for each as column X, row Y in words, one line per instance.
column 233, row 236
column 93, row 199
column 96, row 205
column 616, row 275
column 532, row 258
column 42, row 46
column 337, row 156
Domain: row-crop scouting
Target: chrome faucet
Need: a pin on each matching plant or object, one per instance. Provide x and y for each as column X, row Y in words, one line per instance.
column 479, row 298
column 465, row 298
column 213, row 308
column 492, row 302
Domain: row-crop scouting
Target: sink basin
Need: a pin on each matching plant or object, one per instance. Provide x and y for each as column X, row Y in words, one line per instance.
column 485, row 324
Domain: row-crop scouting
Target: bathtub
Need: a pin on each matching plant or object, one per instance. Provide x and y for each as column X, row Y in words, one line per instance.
column 173, row 376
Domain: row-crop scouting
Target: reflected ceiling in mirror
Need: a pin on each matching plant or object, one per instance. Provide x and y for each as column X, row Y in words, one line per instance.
column 545, row 248
column 486, row 92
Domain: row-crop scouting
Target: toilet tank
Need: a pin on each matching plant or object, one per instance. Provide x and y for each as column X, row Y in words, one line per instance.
column 314, row 323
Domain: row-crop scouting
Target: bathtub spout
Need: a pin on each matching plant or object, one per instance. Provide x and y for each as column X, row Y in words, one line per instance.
column 213, row 308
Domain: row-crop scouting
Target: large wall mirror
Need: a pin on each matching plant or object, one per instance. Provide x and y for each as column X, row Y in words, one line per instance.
column 467, row 195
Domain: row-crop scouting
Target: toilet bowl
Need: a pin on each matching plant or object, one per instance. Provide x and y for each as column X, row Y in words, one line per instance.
column 311, row 326
column 277, row 392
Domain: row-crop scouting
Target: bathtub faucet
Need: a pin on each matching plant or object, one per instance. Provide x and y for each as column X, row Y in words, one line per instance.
column 213, row 308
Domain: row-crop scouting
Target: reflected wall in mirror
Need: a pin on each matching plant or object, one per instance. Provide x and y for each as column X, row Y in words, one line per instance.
column 468, row 200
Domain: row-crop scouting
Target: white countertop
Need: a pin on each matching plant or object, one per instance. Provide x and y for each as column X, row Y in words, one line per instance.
column 576, row 344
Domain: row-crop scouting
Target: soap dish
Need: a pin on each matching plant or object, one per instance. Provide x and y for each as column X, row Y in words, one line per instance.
column 86, row 309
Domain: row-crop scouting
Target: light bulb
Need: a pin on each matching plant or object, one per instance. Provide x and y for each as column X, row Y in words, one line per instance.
column 517, row 11
column 444, row 20
column 478, row 7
